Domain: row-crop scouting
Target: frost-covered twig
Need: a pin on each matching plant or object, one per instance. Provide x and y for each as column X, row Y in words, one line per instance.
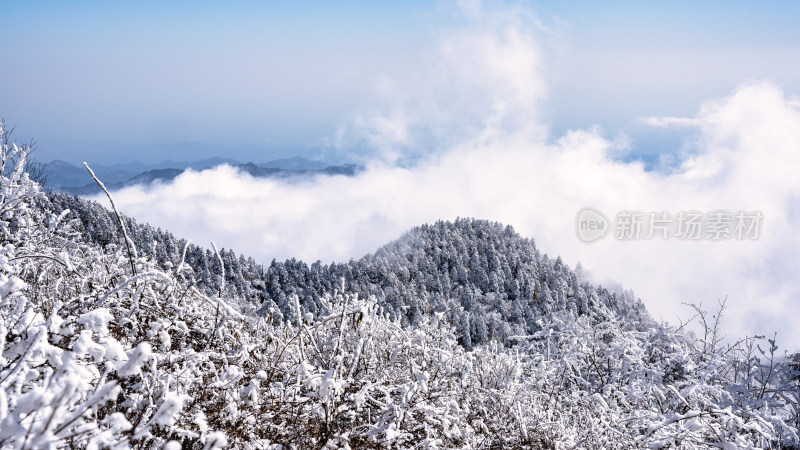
column 128, row 242
column 222, row 268
column 183, row 257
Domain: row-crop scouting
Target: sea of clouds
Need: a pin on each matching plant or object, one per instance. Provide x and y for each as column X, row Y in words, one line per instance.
column 471, row 117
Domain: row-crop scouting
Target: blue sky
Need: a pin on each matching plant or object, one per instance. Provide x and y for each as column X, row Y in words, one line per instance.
column 259, row 80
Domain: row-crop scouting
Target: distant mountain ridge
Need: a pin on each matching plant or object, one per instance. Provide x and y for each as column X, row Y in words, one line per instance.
column 62, row 176
column 137, row 167
column 295, row 163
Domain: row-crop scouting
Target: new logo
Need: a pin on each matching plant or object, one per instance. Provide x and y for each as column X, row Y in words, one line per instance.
column 591, row 225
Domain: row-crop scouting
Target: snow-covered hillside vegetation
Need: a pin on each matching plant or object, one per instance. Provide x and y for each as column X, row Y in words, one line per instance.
column 483, row 277
column 459, row 335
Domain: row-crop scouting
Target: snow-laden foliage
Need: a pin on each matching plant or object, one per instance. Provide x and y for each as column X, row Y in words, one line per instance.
column 94, row 356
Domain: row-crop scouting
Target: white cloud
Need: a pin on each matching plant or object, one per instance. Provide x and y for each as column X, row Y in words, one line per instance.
column 668, row 122
column 481, row 110
column 478, row 80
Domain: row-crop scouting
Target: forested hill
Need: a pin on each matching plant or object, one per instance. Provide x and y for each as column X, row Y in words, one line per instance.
column 490, row 282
